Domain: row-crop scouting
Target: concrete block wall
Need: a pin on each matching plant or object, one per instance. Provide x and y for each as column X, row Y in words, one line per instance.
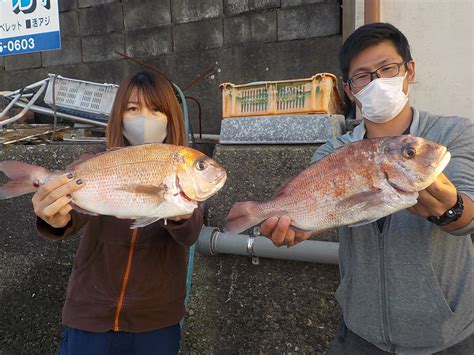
column 247, row 40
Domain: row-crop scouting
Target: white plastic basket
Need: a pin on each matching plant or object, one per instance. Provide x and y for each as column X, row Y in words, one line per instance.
column 79, row 97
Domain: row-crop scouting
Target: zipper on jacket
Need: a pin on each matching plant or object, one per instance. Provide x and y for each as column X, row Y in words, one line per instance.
column 133, row 238
column 385, row 330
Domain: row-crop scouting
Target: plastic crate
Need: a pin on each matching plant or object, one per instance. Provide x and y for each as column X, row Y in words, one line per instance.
column 318, row 94
column 81, row 98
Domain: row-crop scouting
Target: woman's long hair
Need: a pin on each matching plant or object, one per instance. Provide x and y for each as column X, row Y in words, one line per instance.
column 157, row 92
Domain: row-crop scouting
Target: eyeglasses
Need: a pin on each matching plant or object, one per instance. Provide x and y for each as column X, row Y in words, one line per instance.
column 386, row 71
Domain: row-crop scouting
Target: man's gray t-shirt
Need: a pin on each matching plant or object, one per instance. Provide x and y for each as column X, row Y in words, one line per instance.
column 410, row 287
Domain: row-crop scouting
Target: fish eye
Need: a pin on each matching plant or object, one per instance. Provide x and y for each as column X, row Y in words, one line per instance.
column 201, row 165
column 409, row 152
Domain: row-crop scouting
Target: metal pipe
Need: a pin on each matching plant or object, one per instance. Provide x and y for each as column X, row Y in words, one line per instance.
column 199, row 113
column 10, row 105
column 31, row 86
column 47, row 111
column 371, row 11
column 26, row 107
column 211, row 242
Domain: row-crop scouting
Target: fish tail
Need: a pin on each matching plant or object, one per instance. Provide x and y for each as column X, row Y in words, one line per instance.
column 23, row 178
column 242, row 216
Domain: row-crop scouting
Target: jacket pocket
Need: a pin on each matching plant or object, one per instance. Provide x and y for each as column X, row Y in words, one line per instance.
column 420, row 315
column 97, row 279
column 358, row 296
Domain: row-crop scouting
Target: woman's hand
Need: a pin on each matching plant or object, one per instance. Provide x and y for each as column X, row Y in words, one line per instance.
column 51, row 201
column 278, row 230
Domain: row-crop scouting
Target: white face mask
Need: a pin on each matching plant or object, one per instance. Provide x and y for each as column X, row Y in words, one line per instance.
column 142, row 129
column 382, row 99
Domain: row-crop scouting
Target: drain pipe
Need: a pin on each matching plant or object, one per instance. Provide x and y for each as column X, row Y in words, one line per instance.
column 371, row 11
column 211, row 242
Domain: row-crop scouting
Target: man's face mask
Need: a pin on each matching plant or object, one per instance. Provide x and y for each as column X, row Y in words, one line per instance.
column 143, row 129
column 382, row 99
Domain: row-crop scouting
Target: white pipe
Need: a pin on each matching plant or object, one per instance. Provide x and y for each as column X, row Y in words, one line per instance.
column 31, row 86
column 211, row 242
column 47, row 111
column 10, row 105
column 27, row 106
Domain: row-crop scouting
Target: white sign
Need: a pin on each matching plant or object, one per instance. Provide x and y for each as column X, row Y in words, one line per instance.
column 28, row 26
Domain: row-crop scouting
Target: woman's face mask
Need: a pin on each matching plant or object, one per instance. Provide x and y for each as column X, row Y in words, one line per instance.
column 142, row 124
column 382, row 99
column 143, row 129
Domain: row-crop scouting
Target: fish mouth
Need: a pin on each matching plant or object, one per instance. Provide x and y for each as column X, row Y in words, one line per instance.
column 397, row 187
column 184, row 196
column 442, row 163
column 217, row 184
column 220, row 180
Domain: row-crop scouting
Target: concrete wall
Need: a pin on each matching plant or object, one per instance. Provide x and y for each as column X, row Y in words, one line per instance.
column 236, row 307
column 247, row 40
column 440, row 34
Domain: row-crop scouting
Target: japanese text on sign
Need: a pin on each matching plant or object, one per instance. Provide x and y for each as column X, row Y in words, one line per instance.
column 28, row 26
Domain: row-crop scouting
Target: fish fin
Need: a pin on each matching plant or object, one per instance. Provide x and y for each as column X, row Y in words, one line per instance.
column 242, row 216
column 22, row 177
column 146, row 189
column 364, row 222
column 143, row 222
column 86, row 156
column 81, row 210
column 367, row 197
column 284, row 189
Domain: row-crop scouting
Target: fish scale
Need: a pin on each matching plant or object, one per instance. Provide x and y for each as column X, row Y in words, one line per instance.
column 358, row 183
column 105, row 175
column 145, row 182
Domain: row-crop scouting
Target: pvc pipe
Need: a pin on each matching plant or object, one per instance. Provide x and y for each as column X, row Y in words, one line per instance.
column 211, row 242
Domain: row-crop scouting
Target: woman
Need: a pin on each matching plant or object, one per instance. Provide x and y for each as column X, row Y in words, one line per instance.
column 127, row 287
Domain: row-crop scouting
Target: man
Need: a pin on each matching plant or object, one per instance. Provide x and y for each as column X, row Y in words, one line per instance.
column 407, row 279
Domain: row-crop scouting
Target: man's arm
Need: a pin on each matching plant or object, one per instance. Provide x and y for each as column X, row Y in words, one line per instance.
column 458, row 177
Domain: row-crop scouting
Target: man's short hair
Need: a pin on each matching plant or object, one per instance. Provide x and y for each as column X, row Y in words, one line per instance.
column 368, row 36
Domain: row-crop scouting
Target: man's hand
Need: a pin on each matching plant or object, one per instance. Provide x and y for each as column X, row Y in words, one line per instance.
column 436, row 199
column 278, row 230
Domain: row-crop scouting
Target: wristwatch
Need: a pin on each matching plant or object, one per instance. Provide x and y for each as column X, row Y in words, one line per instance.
column 451, row 215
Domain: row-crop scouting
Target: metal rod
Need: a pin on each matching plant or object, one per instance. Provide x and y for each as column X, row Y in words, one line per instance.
column 199, row 113
column 47, row 111
column 26, row 108
column 10, row 105
column 31, row 86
